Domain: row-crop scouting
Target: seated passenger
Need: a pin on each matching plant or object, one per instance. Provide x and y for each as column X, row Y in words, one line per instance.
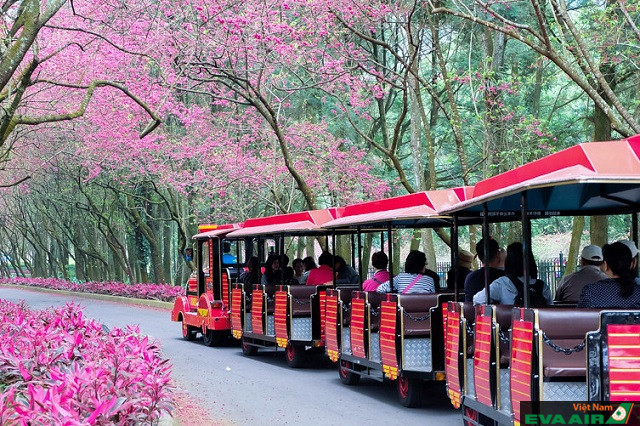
column 634, row 255
column 619, row 290
column 379, row 261
column 272, row 273
column 509, row 290
column 571, row 286
column 252, row 274
column 495, row 261
column 433, row 275
column 227, row 257
column 298, row 269
column 346, row 274
column 323, row 274
column 413, row 280
column 309, row 264
column 288, row 276
column 465, row 263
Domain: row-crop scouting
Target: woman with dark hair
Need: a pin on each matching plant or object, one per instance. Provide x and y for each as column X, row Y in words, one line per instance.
column 509, row 289
column 309, row 265
column 620, row 289
column 346, row 274
column 412, row 280
column 298, row 271
column 252, row 274
column 272, row 273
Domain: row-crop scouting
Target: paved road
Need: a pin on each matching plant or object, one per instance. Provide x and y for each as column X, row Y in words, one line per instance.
column 260, row 390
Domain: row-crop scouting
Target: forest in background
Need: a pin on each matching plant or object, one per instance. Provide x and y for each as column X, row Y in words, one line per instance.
column 125, row 124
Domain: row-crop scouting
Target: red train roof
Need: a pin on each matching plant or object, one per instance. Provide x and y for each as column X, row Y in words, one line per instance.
column 420, row 205
column 310, row 221
column 208, row 231
column 588, row 176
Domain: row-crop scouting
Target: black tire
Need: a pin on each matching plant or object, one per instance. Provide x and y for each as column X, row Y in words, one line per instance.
column 189, row 332
column 410, row 392
column 295, row 355
column 248, row 350
column 347, row 377
column 213, row 338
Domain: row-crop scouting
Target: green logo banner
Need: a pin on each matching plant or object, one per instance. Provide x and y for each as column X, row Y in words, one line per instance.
column 580, row 413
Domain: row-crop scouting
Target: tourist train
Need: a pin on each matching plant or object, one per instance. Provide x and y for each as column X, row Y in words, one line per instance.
column 495, row 359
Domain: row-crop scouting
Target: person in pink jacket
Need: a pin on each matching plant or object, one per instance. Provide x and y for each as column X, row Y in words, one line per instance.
column 379, row 261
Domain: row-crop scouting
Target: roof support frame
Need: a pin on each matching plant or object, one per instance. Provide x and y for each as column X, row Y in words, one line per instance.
column 485, row 248
column 526, row 246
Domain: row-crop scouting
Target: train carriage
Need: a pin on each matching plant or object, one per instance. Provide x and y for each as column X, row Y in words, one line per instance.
column 399, row 337
column 281, row 316
column 501, row 361
column 205, row 307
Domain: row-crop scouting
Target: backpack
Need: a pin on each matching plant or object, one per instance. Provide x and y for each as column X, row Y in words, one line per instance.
column 536, row 297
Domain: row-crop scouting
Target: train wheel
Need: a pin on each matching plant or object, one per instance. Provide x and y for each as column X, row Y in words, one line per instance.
column 213, row 338
column 348, row 377
column 295, row 355
column 470, row 417
column 188, row 331
column 248, row 350
column 409, row 392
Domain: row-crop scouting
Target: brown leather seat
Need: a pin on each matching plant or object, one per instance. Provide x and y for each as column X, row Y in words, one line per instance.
column 503, row 318
column 566, row 327
column 270, row 290
column 345, row 296
column 374, row 301
column 416, row 309
column 557, row 364
column 301, row 302
column 469, row 312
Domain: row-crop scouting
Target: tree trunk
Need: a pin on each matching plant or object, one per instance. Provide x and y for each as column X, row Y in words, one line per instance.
column 310, row 246
column 598, row 225
column 141, row 249
column 515, row 232
column 366, row 254
column 429, row 250
column 344, row 247
column 396, row 255
column 574, row 245
column 78, row 254
column 153, row 233
column 598, row 230
column 300, row 247
column 166, row 249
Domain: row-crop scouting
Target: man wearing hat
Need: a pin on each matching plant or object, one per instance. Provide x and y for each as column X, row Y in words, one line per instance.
column 571, row 285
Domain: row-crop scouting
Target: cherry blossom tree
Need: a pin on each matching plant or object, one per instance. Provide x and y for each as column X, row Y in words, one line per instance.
column 58, row 57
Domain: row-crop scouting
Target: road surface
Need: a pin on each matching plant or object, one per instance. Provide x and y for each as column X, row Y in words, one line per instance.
column 260, row 390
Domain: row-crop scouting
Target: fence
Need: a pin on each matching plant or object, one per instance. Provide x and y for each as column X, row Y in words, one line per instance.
column 549, row 270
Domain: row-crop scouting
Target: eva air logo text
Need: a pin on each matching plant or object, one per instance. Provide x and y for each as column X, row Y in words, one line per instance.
column 585, row 414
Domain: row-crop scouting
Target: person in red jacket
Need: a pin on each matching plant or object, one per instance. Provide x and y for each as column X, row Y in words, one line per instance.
column 323, row 274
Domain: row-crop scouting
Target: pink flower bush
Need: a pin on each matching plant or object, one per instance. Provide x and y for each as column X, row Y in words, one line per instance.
column 56, row 367
column 162, row 292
